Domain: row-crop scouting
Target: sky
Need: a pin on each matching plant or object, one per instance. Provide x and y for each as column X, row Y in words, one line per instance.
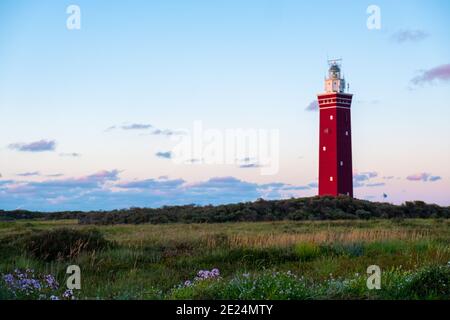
column 95, row 117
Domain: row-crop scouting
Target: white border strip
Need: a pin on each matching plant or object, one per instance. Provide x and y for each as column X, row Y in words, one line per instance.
column 334, row 107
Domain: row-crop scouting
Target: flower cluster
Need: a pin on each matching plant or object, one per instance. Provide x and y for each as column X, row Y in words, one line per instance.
column 23, row 282
column 29, row 285
column 203, row 275
column 51, row 281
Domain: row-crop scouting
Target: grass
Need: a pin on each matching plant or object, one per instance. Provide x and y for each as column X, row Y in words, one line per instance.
column 279, row 260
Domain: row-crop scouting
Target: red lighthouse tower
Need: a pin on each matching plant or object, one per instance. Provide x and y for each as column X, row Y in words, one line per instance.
column 335, row 154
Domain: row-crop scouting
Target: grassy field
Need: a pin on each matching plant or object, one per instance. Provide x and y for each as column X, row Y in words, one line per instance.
column 256, row 260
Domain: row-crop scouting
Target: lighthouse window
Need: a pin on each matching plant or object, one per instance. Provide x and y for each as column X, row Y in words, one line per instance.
column 324, row 148
column 331, row 117
column 341, row 163
column 331, row 178
column 346, row 133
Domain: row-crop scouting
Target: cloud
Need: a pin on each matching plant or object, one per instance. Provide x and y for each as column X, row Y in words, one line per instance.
column 57, row 194
column 230, row 189
column 402, row 36
column 418, row 177
column 136, row 126
column 248, row 163
column 194, row 161
column 164, row 154
column 152, row 184
column 376, row 184
column 105, row 191
column 313, row 185
column 437, row 74
column 36, row 146
column 146, row 127
column 94, row 180
column 362, row 179
column 104, row 175
column 28, row 174
column 70, row 154
column 357, row 184
column 364, row 176
column 54, row 175
column 296, row 188
column 313, row 106
column 423, row 177
column 166, row 132
column 5, row 182
column 132, row 126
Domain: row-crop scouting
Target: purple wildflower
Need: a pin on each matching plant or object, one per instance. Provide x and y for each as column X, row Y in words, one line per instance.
column 51, row 281
column 68, row 294
column 187, row 283
column 9, row 279
column 215, row 272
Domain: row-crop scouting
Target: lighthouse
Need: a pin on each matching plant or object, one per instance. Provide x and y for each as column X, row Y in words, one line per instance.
column 335, row 137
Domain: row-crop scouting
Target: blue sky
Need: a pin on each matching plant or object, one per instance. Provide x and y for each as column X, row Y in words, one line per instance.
column 88, row 116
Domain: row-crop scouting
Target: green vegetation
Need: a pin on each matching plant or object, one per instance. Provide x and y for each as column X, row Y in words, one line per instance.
column 257, row 260
column 313, row 208
column 62, row 244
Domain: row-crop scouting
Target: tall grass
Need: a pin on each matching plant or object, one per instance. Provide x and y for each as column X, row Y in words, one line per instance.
column 148, row 261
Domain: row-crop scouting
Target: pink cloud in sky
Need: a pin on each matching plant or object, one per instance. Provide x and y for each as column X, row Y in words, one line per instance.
column 422, row 177
column 439, row 73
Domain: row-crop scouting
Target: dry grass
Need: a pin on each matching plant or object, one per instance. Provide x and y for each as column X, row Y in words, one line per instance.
column 320, row 237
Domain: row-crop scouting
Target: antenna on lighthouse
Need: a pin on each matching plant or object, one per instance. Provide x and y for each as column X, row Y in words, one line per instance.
column 333, row 62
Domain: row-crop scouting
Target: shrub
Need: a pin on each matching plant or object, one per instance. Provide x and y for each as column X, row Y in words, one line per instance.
column 363, row 214
column 62, row 244
column 432, row 282
column 299, row 215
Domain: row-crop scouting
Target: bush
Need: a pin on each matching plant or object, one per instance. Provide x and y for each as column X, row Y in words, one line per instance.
column 430, row 283
column 363, row 214
column 63, row 244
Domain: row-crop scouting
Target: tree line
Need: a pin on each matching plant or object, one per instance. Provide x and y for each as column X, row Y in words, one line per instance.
column 311, row 208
